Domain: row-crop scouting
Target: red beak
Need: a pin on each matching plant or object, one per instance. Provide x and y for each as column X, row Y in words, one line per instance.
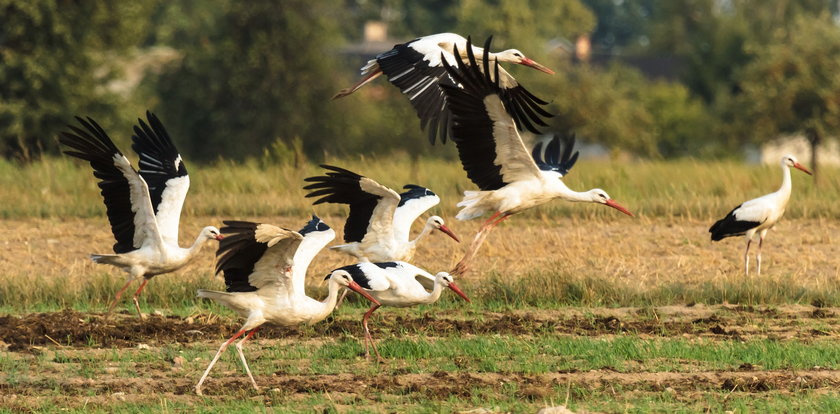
column 219, row 237
column 459, row 292
column 449, row 233
column 535, row 65
column 799, row 166
column 618, row 207
column 358, row 289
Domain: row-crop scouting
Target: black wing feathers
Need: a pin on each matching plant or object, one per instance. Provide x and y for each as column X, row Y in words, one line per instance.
column 557, row 157
column 159, row 159
column 407, row 70
column 92, row 144
column 730, row 226
column 342, row 186
column 238, row 252
column 472, row 128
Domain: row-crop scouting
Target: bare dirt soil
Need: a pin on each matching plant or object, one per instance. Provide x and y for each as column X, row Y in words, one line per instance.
column 77, row 329
column 84, row 335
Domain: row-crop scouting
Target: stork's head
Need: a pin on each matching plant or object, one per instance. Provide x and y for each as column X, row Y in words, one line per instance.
column 790, row 161
column 600, row 196
column 446, row 280
column 210, row 233
column 343, row 278
column 515, row 56
column 437, row 223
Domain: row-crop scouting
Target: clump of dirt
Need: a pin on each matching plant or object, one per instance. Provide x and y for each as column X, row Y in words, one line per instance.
column 71, row 328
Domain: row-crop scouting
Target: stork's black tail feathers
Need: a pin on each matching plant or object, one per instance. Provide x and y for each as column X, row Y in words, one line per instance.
column 730, row 226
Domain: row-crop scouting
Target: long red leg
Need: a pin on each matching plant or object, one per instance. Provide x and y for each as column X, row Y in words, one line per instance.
column 216, row 358
column 239, row 346
column 137, row 293
column 463, row 266
column 119, row 295
column 347, row 91
column 367, row 334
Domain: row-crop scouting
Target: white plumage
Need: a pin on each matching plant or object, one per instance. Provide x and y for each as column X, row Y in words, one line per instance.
column 265, row 269
column 398, row 284
column 379, row 223
column 509, row 178
column 144, row 207
column 417, row 70
column 759, row 215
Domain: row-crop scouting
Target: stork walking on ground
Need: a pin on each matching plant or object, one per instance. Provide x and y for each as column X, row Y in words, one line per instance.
column 144, row 208
column 379, row 223
column 397, row 284
column 492, row 153
column 758, row 215
column 415, row 68
column 265, row 269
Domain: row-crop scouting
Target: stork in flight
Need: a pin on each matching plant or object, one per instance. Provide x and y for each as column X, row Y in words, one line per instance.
column 265, row 269
column 144, row 207
column 416, row 69
column 397, row 284
column 379, row 223
column 510, row 179
column 758, row 215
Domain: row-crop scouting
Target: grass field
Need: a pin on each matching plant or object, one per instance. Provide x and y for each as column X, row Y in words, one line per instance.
column 572, row 305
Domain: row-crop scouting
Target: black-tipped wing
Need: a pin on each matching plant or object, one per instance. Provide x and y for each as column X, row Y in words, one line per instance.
column 413, row 202
column 735, row 224
column 164, row 171
column 124, row 191
column 253, row 256
column 417, row 76
column 558, row 156
column 368, row 275
column 416, row 68
column 489, row 146
column 371, row 204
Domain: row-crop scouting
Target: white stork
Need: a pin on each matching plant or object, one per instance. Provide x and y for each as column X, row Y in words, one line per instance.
column 379, row 223
column 416, row 69
column 265, row 269
column 397, row 284
column 758, row 215
column 144, row 207
column 492, row 153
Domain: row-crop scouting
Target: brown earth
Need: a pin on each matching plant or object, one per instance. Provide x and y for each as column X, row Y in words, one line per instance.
column 75, row 329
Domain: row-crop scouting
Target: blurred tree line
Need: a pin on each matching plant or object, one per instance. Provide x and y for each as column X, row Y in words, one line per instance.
column 237, row 79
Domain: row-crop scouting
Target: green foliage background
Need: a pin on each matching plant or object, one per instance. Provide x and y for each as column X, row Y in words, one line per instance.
column 244, row 79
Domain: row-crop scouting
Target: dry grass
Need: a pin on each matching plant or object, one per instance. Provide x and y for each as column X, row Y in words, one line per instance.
column 688, row 189
column 527, row 261
column 556, row 254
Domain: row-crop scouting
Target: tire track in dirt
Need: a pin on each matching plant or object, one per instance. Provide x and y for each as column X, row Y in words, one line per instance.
column 440, row 385
column 77, row 329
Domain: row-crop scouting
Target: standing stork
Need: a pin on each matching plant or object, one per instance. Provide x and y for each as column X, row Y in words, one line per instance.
column 144, row 207
column 265, row 269
column 758, row 215
column 397, row 284
column 492, row 153
column 416, row 69
column 379, row 223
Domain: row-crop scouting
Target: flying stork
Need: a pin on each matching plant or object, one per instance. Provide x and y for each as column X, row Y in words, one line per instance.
column 758, row 215
column 510, row 179
column 415, row 68
column 379, row 223
column 397, row 284
column 144, row 207
column 265, row 269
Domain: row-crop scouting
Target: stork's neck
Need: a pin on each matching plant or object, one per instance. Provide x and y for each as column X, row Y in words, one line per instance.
column 558, row 189
column 196, row 247
column 435, row 294
column 784, row 190
column 328, row 304
column 426, row 230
